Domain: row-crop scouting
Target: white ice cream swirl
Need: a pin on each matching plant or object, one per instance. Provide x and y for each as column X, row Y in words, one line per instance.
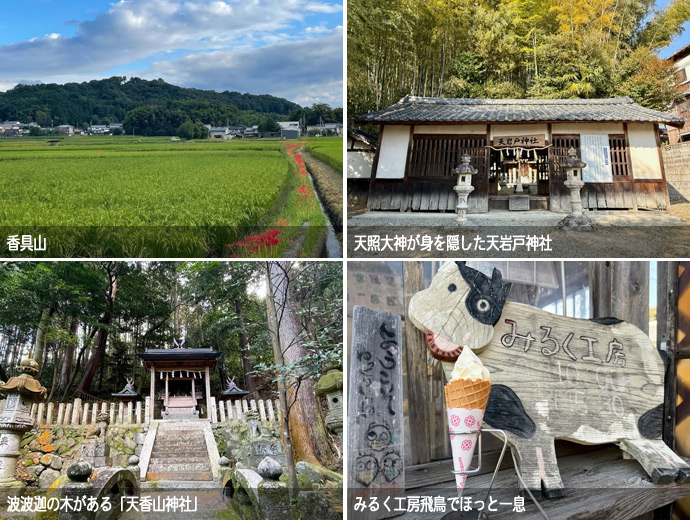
column 469, row 366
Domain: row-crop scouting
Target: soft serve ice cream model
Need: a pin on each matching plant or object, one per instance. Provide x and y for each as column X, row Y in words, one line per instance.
column 466, row 396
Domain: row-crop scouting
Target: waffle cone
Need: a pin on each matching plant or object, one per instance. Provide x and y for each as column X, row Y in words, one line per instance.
column 467, row 393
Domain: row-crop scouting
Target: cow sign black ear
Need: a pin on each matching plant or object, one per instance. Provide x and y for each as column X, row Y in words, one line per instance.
column 496, row 276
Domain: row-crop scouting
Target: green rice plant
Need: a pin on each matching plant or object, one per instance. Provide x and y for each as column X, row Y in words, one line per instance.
column 125, row 197
column 328, row 150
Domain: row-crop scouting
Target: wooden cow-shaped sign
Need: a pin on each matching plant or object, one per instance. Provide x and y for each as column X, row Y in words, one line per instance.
column 588, row 381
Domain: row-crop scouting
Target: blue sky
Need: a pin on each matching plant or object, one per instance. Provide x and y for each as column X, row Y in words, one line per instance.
column 679, row 41
column 288, row 48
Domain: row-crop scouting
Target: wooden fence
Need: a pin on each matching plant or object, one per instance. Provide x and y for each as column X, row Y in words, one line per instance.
column 81, row 413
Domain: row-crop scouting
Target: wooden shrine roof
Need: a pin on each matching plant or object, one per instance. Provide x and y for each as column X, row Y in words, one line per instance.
column 180, row 356
column 413, row 109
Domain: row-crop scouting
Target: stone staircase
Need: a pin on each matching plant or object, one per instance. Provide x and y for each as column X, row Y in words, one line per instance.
column 180, row 453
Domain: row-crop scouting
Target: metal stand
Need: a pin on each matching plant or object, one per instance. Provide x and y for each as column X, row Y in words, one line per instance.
column 483, row 515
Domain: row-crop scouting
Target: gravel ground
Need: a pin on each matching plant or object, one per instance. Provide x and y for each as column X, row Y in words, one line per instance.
column 615, row 235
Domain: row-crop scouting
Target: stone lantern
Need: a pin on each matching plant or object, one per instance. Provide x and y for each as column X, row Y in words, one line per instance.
column 464, row 187
column 331, row 386
column 573, row 167
column 22, row 391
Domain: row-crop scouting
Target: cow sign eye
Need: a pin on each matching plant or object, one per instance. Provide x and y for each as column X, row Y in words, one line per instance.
column 452, row 287
column 483, row 305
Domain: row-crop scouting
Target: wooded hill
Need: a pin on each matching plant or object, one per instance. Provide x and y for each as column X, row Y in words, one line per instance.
column 148, row 107
column 511, row 49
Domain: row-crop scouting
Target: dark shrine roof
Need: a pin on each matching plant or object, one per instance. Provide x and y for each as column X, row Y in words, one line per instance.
column 361, row 135
column 175, row 354
column 412, row 109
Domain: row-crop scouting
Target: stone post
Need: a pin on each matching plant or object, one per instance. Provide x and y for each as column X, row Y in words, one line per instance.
column 22, row 391
column 577, row 220
column 78, row 487
column 464, row 187
column 331, row 386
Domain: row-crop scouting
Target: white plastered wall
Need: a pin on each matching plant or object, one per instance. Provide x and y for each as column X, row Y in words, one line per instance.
column 587, row 128
column 359, row 164
column 644, row 153
column 498, row 130
column 450, row 129
column 393, row 154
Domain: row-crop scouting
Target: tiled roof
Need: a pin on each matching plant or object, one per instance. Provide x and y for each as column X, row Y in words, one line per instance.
column 361, row 135
column 413, row 109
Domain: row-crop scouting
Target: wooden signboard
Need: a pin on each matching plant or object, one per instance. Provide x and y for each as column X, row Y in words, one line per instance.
column 553, row 377
column 520, row 141
column 375, row 419
column 596, row 154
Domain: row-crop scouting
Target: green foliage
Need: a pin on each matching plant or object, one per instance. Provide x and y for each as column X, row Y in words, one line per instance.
column 316, row 113
column 649, row 80
column 149, row 108
column 318, row 289
column 109, row 100
column 516, row 48
column 186, row 130
column 269, row 125
column 102, row 184
column 328, row 150
column 205, row 295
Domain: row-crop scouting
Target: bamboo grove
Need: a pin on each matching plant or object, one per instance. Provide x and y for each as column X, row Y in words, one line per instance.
column 510, row 49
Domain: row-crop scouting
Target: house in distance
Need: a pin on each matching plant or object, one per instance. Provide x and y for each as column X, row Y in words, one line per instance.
column 517, row 146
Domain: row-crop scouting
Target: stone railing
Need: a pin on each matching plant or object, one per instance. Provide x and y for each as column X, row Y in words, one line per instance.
column 225, row 410
column 80, row 413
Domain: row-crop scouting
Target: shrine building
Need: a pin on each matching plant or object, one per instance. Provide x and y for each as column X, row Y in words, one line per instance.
column 517, row 146
column 174, row 376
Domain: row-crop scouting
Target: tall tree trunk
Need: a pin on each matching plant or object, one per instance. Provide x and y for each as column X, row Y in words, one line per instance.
column 40, row 342
column 56, row 362
column 309, row 436
column 105, row 320
column 68, row 360
column 293, row 484
column 201, row 330
column 249, row 384
column 176, row 311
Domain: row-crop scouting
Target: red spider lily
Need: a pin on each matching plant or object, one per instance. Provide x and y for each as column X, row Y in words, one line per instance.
column 254, row 243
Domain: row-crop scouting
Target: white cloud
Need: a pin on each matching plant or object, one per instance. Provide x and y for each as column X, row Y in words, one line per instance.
column 319, row 29
column 134, row 30
column 304, row 71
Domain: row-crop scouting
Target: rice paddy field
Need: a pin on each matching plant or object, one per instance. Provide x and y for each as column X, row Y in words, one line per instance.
column 148, row 197
column 328, row 150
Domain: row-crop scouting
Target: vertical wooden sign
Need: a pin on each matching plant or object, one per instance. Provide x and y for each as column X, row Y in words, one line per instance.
column 376, row 450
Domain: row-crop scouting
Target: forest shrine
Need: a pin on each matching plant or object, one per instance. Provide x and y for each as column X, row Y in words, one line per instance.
column 179, row 369
column 268, row 452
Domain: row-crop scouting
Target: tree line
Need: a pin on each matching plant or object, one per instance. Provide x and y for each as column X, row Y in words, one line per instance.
column 511, row 49
column 149, row 107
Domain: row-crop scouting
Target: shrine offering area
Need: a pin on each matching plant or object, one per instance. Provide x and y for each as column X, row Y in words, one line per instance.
column 203, row 198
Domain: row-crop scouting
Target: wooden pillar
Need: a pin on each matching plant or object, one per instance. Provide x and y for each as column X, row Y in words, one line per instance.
column 667, row 340
column 620, row 290
column 193, row 389
column 208, row 392
column 417, row 371
column 667, row 291
column 167, row 375
column 153, row 391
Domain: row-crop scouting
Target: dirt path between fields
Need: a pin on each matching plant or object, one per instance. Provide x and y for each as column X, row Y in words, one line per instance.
column 329, row 183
